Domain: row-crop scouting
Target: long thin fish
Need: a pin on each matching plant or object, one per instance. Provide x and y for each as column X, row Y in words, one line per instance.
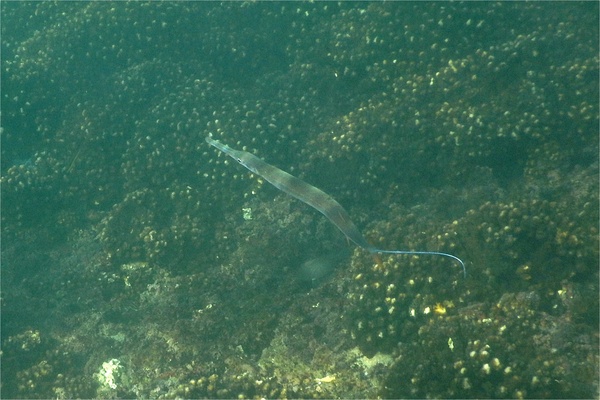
column 314, row 197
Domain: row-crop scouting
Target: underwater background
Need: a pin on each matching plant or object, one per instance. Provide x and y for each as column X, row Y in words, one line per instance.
column 139, row 262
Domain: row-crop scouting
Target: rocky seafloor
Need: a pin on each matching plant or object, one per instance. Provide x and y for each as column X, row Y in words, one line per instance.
column 138, row 261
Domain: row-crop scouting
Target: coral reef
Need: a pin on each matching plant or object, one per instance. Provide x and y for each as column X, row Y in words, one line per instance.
column 491, row 363
column 137, row 261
